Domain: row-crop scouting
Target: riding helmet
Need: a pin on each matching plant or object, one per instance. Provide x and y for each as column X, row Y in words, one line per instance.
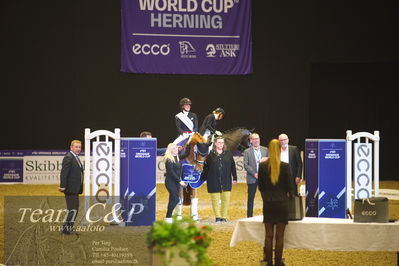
column 219, row 110
column 184, row 101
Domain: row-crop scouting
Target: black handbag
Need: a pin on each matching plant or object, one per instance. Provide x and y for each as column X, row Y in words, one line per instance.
column 371, row 210
column 295, row 208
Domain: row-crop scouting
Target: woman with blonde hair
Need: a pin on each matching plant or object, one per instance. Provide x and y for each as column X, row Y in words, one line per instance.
column 173, row 182
column 274, row 183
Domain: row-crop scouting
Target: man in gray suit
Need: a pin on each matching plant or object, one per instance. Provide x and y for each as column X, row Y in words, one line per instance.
column 71, row 184
column 290, row 154
column 252, row 157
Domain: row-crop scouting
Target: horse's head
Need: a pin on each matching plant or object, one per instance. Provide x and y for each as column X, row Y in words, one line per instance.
column 245, row 143
column 245, row 140
column 237, row 139
column 202, row 152
column 198, row 157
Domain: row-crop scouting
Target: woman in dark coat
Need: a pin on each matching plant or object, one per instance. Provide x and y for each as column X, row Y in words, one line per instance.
column 173, row 182
column 274, row 183
column 218, row 171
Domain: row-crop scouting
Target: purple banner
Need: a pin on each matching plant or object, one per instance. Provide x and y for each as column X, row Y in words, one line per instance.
column 11, row 166
column 11, row 170
column 186, row 37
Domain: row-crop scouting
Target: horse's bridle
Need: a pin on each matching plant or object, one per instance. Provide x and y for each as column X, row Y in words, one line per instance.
column 201, row 162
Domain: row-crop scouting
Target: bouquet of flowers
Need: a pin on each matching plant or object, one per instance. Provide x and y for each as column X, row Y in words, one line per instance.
column 182, row 238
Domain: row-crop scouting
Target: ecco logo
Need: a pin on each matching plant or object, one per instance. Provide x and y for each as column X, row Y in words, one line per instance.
column 154, row 49
column 369, row 213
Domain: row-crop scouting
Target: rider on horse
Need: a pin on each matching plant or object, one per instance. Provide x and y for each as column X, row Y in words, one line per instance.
column 186, row 121
column 186, row 125
column 208, row 127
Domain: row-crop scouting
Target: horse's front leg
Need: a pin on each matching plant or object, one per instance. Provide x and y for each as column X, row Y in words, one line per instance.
column 194, row 205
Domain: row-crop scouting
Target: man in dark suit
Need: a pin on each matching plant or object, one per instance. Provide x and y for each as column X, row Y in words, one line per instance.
column 252, row 157
column 71, row 184
column 290, row 154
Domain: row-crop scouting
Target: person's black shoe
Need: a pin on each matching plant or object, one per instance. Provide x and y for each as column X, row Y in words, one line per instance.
column 223, row 219
column 281, row 263
column 264, row 263
column 218, row 219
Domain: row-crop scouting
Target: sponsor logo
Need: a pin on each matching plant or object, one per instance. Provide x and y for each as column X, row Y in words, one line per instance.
column 187, row 50
column 42, row 169
column 363, row 170
column 312, row 155
column 44, row 166
column 222, row 50
column 333, row 204
column 369, row 213
column 210, row 50
column 11, row 175
column 151, row 49
column 102, row 170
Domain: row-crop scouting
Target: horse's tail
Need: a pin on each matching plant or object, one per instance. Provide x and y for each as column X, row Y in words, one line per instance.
column 187, row 195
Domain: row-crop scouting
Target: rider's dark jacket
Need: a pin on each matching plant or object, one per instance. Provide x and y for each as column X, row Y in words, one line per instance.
column 208, row 123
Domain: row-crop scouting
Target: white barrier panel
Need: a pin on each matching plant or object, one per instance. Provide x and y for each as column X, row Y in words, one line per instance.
column 364, row 162
column 102, row 182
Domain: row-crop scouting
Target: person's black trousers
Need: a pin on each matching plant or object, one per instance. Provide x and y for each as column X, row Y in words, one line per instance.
column 173, row 189
column 251, row 196
column 72, row 202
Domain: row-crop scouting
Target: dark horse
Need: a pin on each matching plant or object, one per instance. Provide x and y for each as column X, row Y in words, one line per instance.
column 235, row 139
